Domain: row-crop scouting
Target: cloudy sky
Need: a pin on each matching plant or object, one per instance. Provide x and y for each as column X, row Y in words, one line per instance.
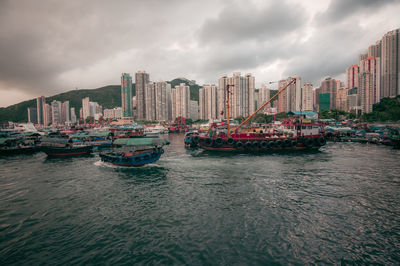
column 48, row 47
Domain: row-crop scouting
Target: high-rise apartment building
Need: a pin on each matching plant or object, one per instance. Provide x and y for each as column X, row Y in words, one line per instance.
column 126, row 95
column 73, row 115
column 85, row 108
column 65, row 112
column 290, row 99
column 41, row 109
column 307, row 97
column 341, row 96
column 141, row 79
column 180, row 101
column 56, row 112
column 369, row 89
column 390, row 64
column 329, row 86
column 221, row 97
column 47, row 114
column 241, row 97
column 352, row 74
column 32, row 115
column 157, row 96
column 208, row 102
column 264, row 95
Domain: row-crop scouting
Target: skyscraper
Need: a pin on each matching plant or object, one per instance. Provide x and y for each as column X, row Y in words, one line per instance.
column 241, row 98
column 126, row 95
column 390, row 64
column 290, row 99
column 352, row 73
column 32, row 115
column 263, row 96
column 369, row 90
column 209, row 102
column 85, row 108
column 221, row 96
column 307, row 97
column 41, row 109
column 56, row 112
column 180, row 101
column 141, row 79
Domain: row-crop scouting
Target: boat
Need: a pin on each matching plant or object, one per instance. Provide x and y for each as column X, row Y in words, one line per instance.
column 63, row 147
column 189, row 143
column 13, row 146
column 296, row 133
column 96, row 139
column 135, row 152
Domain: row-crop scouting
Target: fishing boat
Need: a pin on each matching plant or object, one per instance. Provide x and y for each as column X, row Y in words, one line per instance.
column 13, row 146
column 135, row 152
column 63, row 147
column 96, row 139
column 292, row 134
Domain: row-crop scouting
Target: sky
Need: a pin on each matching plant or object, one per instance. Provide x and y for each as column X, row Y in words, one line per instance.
column 48, row 46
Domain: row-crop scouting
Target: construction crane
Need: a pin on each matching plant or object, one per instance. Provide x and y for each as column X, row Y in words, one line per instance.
column 265, row 103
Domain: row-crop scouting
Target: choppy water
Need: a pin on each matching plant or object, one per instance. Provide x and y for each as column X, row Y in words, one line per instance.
column 339, row 205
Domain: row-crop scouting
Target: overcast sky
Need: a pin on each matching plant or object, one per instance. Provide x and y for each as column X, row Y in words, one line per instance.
column 48, row 47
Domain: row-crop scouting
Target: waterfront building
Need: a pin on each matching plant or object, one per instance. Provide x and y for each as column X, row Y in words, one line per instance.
column 47, row 115
column 126, row 95
column 65, row 112
column 263, row 95
column 352, row 74
column 73, row 115
column 141, row 79
column 41, row 109
column 32, row 115
column 307, row 97
column 56, row 112
column 221, row 97
column 341, row 97
column 241, row 96
column 162, row 93
column 328, row 88
column 290, row 99
column 180, row 99
column 390, row 64
column 369, row 89
column 208, row 102
column 157, row 96
column 115, row 113
column 194, row 110
column 85, row 108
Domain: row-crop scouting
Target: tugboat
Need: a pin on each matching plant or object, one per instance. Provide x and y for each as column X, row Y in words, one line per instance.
column 291, row 134
column 135, row 152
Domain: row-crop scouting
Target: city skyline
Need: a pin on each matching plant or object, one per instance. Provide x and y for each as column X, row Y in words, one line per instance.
column 86, row 47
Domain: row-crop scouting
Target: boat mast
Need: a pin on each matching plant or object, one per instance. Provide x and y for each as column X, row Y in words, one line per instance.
column 264, row 104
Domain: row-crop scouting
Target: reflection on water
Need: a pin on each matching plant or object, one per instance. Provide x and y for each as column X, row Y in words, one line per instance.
column 338, row 205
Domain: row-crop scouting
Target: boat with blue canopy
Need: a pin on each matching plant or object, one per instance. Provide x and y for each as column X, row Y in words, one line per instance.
column 135, row 152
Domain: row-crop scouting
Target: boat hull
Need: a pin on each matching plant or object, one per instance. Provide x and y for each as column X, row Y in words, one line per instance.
column 16, row 151
column 264, row 145
column 132, row 159
column 66, row 151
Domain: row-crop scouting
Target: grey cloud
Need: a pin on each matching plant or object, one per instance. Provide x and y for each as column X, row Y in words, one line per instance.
column 342, row 9
column 239, row 22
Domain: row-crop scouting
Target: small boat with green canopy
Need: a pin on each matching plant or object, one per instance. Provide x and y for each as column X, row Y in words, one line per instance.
column 135, row 152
